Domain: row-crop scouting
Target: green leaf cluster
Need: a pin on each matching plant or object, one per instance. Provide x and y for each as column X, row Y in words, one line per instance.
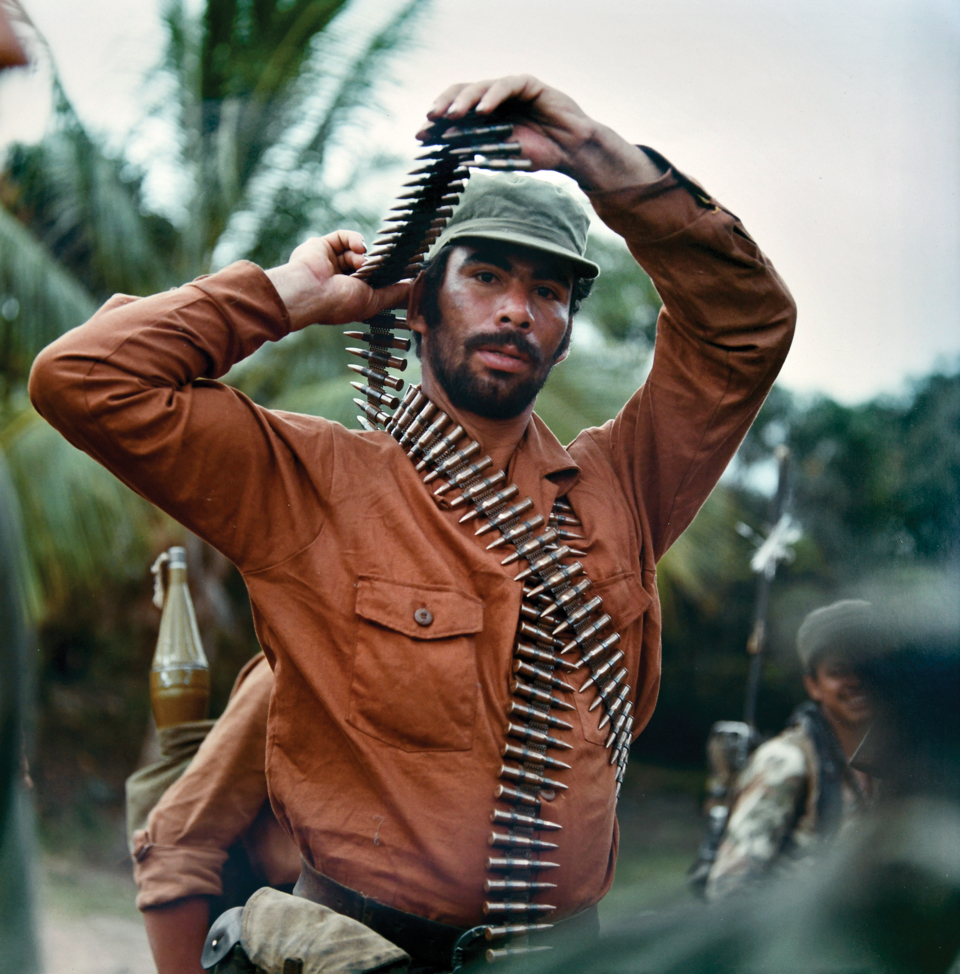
column 256, row 94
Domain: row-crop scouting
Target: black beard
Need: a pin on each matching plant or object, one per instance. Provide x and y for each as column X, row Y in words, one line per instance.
column 483, row 395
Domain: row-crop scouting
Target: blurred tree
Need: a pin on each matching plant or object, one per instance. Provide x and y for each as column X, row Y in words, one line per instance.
column 876, row 488
column 260, row 93
column 256, row 97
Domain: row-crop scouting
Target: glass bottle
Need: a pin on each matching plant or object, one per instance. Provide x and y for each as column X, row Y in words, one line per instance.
column 180, row 674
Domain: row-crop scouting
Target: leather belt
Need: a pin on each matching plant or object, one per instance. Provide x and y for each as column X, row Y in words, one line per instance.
column 428, row 942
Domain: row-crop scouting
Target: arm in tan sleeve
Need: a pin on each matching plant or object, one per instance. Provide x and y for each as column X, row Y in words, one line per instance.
column 723, row 333
column 770, row 798
column 182, row 851
column 133, row 388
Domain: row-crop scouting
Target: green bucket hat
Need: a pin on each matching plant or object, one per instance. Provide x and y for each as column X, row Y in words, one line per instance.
column 519, row 209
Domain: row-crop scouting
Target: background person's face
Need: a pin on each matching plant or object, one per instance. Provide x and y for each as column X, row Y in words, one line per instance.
column 839, row 691
column 504, row 313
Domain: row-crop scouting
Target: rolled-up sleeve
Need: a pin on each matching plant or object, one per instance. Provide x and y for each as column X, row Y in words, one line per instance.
column 182, row 850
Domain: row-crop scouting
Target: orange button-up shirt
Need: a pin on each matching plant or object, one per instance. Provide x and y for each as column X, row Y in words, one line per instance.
column 384, row 740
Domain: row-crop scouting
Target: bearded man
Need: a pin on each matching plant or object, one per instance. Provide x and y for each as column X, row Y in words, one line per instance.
column 390, row 629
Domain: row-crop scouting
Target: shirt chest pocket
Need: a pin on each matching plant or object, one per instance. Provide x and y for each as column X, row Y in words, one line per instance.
column 415, row 671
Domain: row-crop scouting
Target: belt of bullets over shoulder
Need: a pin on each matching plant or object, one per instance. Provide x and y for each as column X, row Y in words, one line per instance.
column 556, row 597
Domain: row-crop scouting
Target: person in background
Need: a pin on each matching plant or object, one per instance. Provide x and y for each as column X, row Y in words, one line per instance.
column 798, row 788
column 186, row 861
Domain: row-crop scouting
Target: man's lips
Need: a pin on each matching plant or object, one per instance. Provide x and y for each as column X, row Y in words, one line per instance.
column 503, row 358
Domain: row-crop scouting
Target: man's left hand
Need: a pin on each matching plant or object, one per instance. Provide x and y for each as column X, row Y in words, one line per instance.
column 553, row 131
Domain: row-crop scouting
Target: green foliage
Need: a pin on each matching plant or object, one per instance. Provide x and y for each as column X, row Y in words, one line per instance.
column 86, row 208
column 878, row 481
column 610, row 351
column 86, row 530
column 39, row 300
column 623, row 303
column 257, row 94
column 260, row 91
column 263, row 91
column 876, row 488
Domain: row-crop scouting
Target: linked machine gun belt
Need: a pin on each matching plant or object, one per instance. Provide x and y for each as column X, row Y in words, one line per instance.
column 562, row 629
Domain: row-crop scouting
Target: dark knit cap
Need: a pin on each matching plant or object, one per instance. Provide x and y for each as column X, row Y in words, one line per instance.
column 845, row 628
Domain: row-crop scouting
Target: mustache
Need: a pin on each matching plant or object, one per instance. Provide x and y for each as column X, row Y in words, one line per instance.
column 515, row 338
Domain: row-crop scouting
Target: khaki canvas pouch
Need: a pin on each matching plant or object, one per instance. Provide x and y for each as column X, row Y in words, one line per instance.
column 278, row 927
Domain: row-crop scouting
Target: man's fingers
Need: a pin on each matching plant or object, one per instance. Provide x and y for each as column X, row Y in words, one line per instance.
column 342, row 241
column 443, row 101
column 467, row 98
column 392, row 296
column 354, row 260
column 522, row 86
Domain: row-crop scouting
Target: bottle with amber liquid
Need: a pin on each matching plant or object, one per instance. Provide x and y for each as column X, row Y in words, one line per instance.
column 180, row 674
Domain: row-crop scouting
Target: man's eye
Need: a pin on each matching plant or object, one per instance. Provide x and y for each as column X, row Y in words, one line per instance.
column 488, row 277
column 547, row 292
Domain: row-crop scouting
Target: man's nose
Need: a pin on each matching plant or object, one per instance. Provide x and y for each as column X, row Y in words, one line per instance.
column 515, row 307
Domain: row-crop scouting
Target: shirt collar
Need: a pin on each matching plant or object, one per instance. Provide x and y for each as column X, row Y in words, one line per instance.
column 538, row 445
column 546, row 453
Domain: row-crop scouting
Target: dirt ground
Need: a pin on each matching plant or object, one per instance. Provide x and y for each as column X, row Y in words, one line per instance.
column 88, row 923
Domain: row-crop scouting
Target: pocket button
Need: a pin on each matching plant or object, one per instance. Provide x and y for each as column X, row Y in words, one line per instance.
column 423, row 617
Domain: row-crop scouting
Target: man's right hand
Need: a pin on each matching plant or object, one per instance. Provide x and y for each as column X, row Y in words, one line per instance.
column 316, row 287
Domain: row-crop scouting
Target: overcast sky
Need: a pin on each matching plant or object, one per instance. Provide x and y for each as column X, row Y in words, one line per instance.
column 831, row 127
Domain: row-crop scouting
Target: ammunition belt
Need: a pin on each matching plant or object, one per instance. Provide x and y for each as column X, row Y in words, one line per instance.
column 433, row 190
column 556, row 599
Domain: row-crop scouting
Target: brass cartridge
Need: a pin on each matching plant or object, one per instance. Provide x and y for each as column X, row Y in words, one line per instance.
column 533, row 757
column 543, row 697
column 507, row 514
column 491, row 503
column 508, row 840
column 538, row 737
column 582, row 637
column 524, row 821
column 538, row 716
column 525, row 777
column 602, row 670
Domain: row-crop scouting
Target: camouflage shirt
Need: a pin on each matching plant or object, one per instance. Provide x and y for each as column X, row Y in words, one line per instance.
column 784, row 806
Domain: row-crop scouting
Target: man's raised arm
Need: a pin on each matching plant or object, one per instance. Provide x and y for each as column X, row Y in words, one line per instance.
column 727, row 318
column 131, row 388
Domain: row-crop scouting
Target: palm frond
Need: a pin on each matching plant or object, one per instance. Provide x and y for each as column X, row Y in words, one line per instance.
column 592, row 384
column 19, row 581
column 705, row 557
column 363, row 74
column 624, row 303
column 98, row 213
column 282, row 198
column 80, row 523
column 39, row 298
column 85, row 207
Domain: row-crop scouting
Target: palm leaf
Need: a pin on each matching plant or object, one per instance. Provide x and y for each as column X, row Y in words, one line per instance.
column 82, row 526
column 289, row 193
column 48, row 298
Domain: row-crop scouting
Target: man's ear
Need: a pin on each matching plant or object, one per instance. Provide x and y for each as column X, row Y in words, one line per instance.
column 415, row 319
column 565, row 341
column 812, row 686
